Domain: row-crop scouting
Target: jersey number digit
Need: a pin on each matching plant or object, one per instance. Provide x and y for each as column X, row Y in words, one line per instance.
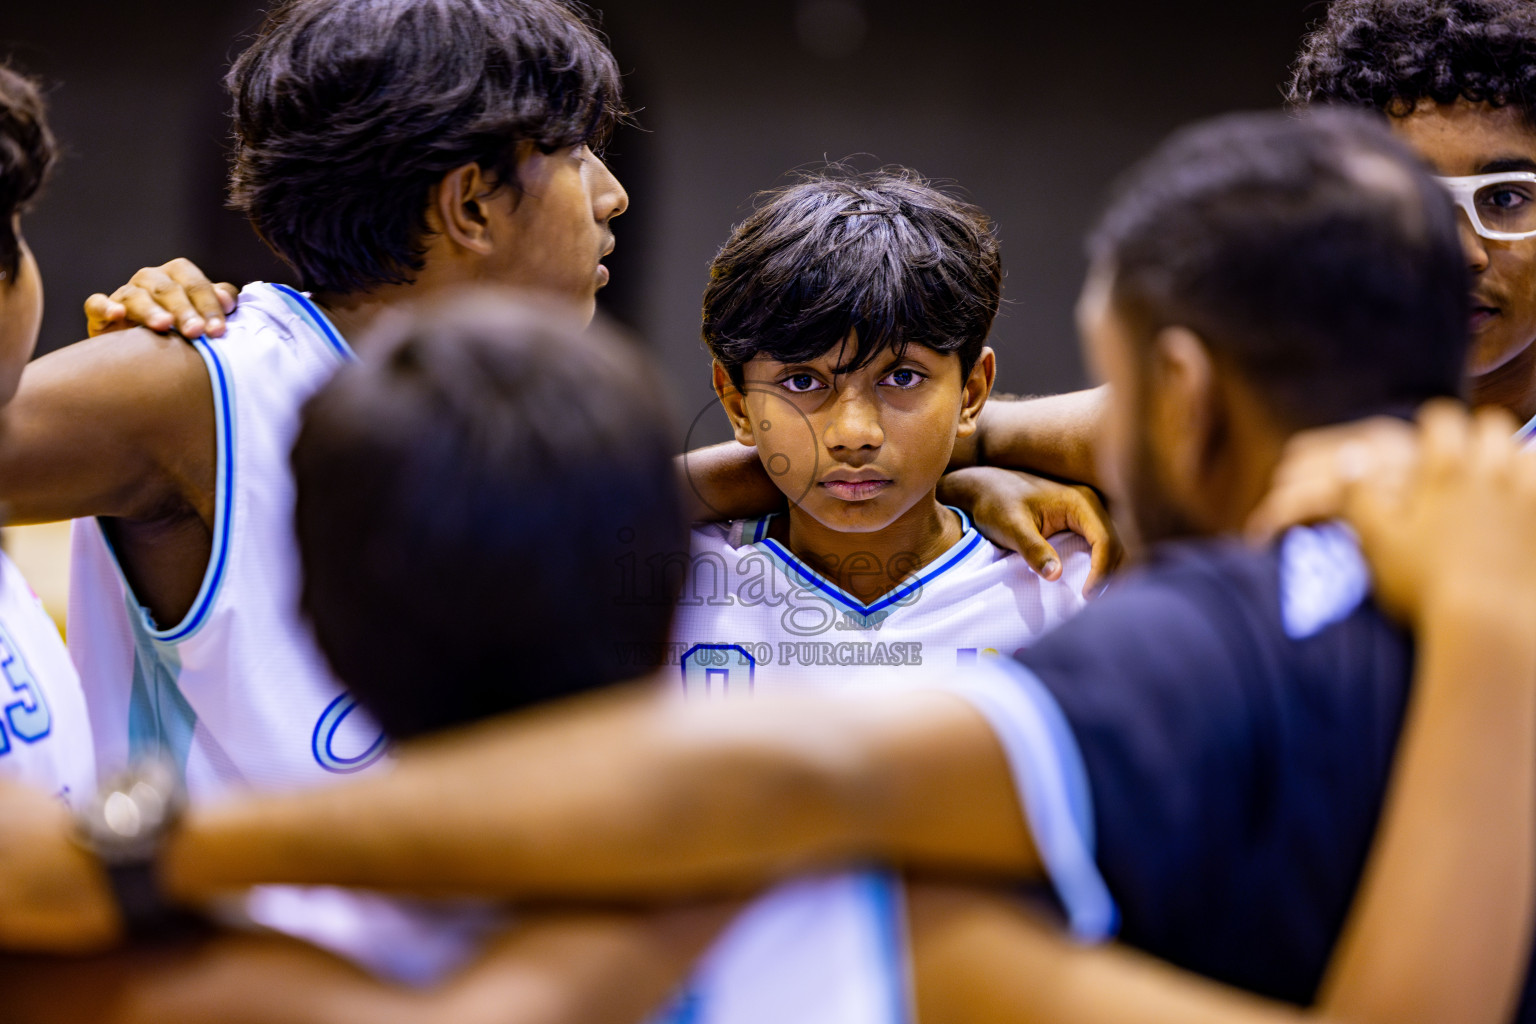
column 27, row 716
column 718, row 669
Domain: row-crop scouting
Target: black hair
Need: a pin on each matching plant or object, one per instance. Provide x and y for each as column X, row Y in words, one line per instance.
column 467, row 496
column 1311, row 252
column 348, row 112
column 27, row 153
column 885, row 254
column 1389, row 54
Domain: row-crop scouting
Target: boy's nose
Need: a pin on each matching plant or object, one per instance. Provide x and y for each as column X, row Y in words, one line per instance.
column 854, row 425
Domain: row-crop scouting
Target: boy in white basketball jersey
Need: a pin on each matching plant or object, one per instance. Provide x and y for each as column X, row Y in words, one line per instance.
column 381, row 154
column 45, row 736
column 848, row 318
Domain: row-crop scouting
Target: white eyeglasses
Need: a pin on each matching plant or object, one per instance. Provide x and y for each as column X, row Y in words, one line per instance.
column 1501, row 207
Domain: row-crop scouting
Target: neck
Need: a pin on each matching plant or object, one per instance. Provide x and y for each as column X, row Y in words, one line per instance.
column 1512, row 386
column 353, row 314
column 1252, row 442
column 870, row 565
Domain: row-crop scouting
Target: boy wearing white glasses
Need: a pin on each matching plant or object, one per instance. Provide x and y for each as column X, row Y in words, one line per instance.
column 1453, row 78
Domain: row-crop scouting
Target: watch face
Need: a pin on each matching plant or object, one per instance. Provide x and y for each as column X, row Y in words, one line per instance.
column 129, row 816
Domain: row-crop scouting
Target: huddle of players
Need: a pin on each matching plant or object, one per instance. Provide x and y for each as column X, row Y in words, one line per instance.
column 1203, row 754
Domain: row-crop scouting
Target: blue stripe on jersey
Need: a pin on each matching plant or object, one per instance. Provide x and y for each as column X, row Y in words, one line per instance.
column 1051, row 779
column 969, row 538
column 884, row 892
column 218, row 558
column 223, row 513
column 311, row 314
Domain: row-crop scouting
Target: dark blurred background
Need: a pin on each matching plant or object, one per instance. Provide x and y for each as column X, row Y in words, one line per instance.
column 1031, row 107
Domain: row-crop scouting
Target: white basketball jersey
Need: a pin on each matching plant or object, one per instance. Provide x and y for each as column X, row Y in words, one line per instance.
column 237, row 692
column 752, row 614
column 45, row 734
column 824, row 950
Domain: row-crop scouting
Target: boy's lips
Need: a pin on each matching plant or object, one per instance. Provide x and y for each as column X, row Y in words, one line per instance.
column 1481, row 315
column 855, row 490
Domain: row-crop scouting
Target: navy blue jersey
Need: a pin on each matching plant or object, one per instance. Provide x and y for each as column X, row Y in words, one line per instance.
column 1236, row 713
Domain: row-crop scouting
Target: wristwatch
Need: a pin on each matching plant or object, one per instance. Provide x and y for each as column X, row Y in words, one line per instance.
column 126, row 826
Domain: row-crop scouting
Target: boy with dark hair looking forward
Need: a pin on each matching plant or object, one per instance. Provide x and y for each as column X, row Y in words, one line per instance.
column 848, row 318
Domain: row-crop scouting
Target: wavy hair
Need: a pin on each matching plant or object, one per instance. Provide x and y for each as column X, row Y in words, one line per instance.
column 348, row 112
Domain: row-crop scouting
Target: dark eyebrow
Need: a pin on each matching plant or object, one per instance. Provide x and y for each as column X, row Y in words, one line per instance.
column 1508, row 163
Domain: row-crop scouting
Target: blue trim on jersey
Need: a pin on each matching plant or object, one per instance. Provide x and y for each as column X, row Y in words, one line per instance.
column 223, row 513
column 321, row 742
column 1526, row 432
column 218, row 558
column 884, row 893
column 686, row 1008
column 1051, row 779
column 311, row 314
column 969, row 538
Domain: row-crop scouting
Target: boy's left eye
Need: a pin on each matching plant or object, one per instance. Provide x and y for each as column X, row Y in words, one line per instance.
column 903, row 378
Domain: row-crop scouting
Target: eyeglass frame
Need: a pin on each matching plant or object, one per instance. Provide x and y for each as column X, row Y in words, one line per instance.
column 1464, row 188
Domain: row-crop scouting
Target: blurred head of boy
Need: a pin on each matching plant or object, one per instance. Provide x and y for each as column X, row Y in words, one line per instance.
column 848, row 318
column 1259, row 275
column 428, row 144
column 466, row 494
column 27, row 152
column 1455, row 79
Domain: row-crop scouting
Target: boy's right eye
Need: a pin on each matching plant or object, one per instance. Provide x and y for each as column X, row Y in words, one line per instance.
column 799, row 383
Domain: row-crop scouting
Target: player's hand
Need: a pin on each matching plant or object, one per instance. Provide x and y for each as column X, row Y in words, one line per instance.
column 1443, row 514
column 54, row 896
column 1017, row 511
column 177, row 295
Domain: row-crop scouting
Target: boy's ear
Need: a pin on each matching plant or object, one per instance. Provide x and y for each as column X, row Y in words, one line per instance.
column 978, row 386
column 1185, row 413
column 734, row 402
column 460, row 205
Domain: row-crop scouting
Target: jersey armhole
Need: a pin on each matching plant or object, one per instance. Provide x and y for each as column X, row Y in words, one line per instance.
column 218, row 555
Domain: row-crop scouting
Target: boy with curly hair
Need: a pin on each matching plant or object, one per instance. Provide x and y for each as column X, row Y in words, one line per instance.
column 1456, row 80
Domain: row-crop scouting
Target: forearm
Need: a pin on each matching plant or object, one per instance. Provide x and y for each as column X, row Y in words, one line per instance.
column 571, row 968
column 633, row 795
column 727, row 481
column 1441, row 926
column 231, row 979
column 979, row 957
column 1054, row 435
